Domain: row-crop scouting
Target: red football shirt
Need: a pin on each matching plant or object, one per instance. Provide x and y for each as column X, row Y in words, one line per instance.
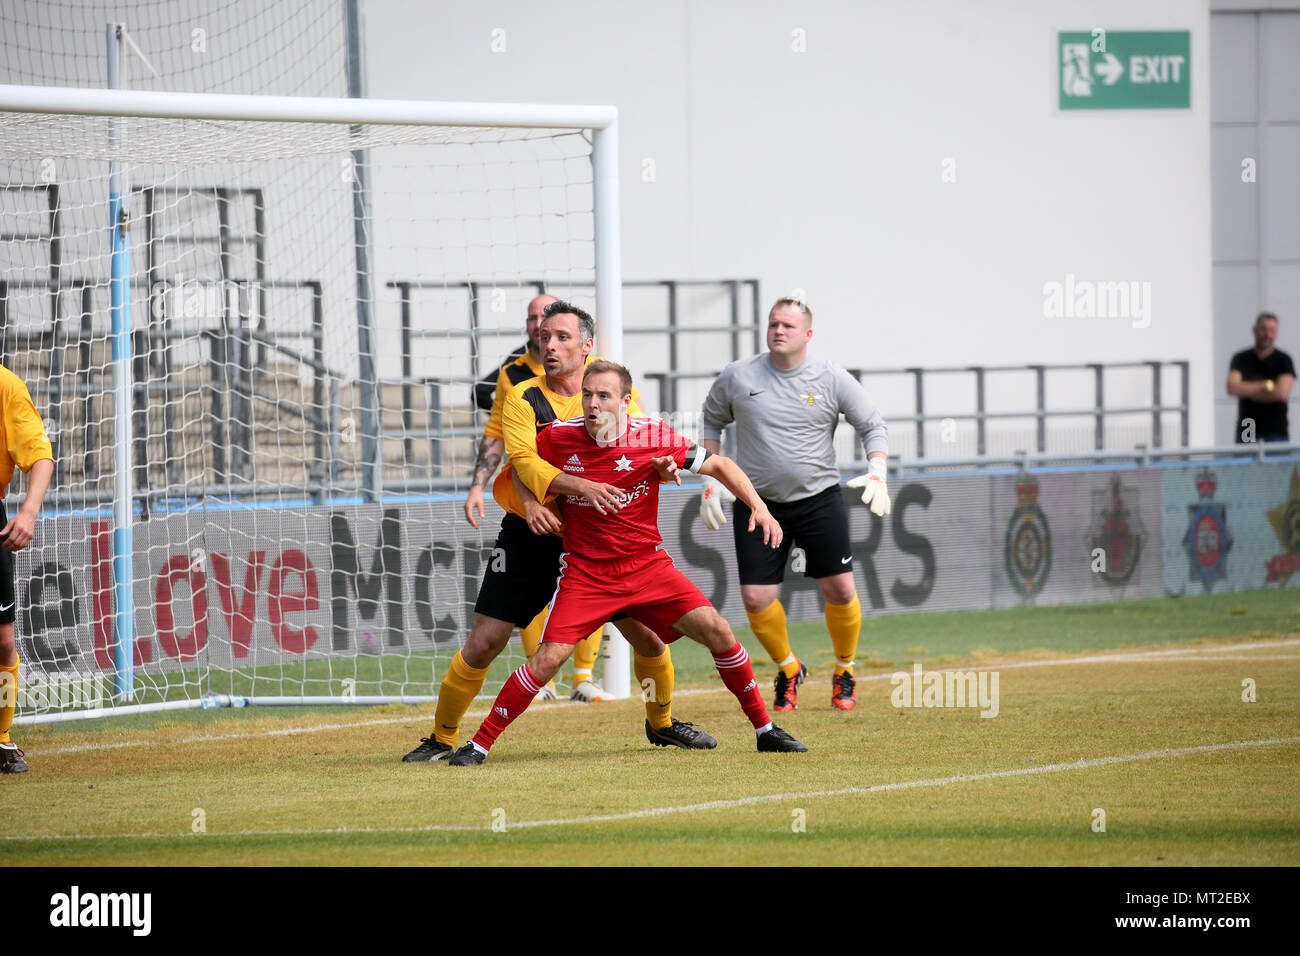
column 624, row 463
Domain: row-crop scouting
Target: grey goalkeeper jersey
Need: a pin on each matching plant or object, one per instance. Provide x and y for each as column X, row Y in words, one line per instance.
column 785, row 420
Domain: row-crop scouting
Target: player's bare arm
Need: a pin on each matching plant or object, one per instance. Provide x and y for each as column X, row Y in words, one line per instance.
column 667, row 468
column 21, row 528
column 485, row 465
column 737, row 482
column 606, row 499
column 542, row 519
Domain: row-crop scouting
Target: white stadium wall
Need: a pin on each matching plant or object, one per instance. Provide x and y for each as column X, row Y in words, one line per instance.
column 824, row 169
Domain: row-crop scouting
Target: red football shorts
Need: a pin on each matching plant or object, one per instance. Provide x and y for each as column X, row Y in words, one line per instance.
column 647, row 587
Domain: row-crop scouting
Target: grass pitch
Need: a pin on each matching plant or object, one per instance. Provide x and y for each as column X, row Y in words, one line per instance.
column 1133, row 709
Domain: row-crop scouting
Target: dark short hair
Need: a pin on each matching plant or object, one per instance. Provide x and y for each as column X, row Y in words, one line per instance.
column 799, row 304
column 1265, row 315
column 586, row 324
column 603, row 366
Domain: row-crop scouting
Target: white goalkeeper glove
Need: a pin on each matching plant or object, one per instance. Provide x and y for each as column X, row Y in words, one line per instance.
column 711, row 498
column 874, row 492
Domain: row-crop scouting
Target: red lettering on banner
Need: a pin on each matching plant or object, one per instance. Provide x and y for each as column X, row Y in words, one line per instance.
column 181, row 567
column 1282, row 567
column 239, row 620
column 101, row 600
column 281, row 602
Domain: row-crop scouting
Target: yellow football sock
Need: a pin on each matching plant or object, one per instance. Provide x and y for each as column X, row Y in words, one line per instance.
column 8, row 698
column 585, row 653
column 458, row 690
column 844, row 621
column 769, row 627
column 658, row 694
column 532, row 634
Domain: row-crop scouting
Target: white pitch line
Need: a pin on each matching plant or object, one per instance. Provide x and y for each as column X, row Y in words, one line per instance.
column 1084, row 764
column 1134, row 656
column 1242, row 657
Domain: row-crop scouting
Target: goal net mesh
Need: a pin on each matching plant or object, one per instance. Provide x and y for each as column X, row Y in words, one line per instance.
column 303, row 428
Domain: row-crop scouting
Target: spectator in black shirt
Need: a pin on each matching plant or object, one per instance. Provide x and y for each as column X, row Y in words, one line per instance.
column 1261, row 378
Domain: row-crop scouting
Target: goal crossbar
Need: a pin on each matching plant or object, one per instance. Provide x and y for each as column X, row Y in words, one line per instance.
column 299, row 109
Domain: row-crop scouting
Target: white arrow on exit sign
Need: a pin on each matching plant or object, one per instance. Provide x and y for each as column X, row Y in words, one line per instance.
column 1111, row 68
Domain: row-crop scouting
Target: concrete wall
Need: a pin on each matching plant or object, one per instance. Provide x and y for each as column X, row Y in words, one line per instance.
column 821, row 169
column 805, row 144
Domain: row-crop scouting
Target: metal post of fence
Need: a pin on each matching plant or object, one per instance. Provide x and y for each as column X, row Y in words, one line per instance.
column 435, row 428
column 334, row 435
column 979, row 409
column 672, row 344
column 473, row 329
column 1184, row 434
column 1041, row 375
column 1099, row 404
column 919, row 375
column 140, row 413
column 90, row 433
column 404, row 290
column 55, row 412
column 733, row 290
column 217, row 368
column 259, row 265
column 318, row 360
column 1155, row 404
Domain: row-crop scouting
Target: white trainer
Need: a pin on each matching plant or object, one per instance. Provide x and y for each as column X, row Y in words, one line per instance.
column 547, row 692
column 589, row 692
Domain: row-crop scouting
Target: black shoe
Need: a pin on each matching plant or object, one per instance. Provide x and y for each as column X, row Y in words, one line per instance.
column 467, row 756
column 777, row 741
column 429, row 749
column 787, row 689
column 11, row 759
column 679, row 734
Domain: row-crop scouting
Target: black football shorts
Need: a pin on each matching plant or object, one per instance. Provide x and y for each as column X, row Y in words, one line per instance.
column 818, row 524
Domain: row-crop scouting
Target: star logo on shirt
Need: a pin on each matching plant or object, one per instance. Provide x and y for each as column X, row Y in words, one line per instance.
column 623, row 463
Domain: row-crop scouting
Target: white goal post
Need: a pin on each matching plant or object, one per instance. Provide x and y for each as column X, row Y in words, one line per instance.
column 207, row 342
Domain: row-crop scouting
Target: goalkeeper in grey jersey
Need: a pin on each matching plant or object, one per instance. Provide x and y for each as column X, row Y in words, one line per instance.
column 785, row 407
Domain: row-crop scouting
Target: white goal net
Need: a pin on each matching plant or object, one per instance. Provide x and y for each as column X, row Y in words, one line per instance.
column 309, row 306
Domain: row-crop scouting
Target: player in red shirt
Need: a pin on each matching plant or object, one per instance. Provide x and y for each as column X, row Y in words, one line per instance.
column 614, row 560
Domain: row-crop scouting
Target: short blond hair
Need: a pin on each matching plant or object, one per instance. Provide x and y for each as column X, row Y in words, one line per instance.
column 602, row 366
column 792, row 304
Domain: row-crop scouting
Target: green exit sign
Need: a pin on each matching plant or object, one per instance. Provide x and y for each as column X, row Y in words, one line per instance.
column 1132, row 70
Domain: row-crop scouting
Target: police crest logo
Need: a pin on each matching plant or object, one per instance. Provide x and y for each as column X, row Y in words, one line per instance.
column 1207, row 540
column 1118, row 532
column 1285, row 519
column 1029, row 541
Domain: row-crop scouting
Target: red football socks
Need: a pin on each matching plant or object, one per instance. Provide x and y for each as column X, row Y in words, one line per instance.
column 737, row 673
column 515, row 696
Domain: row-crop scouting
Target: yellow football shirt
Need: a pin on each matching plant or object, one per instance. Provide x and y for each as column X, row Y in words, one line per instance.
column 24, row 442
column 512, row 373
column 529, row 407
